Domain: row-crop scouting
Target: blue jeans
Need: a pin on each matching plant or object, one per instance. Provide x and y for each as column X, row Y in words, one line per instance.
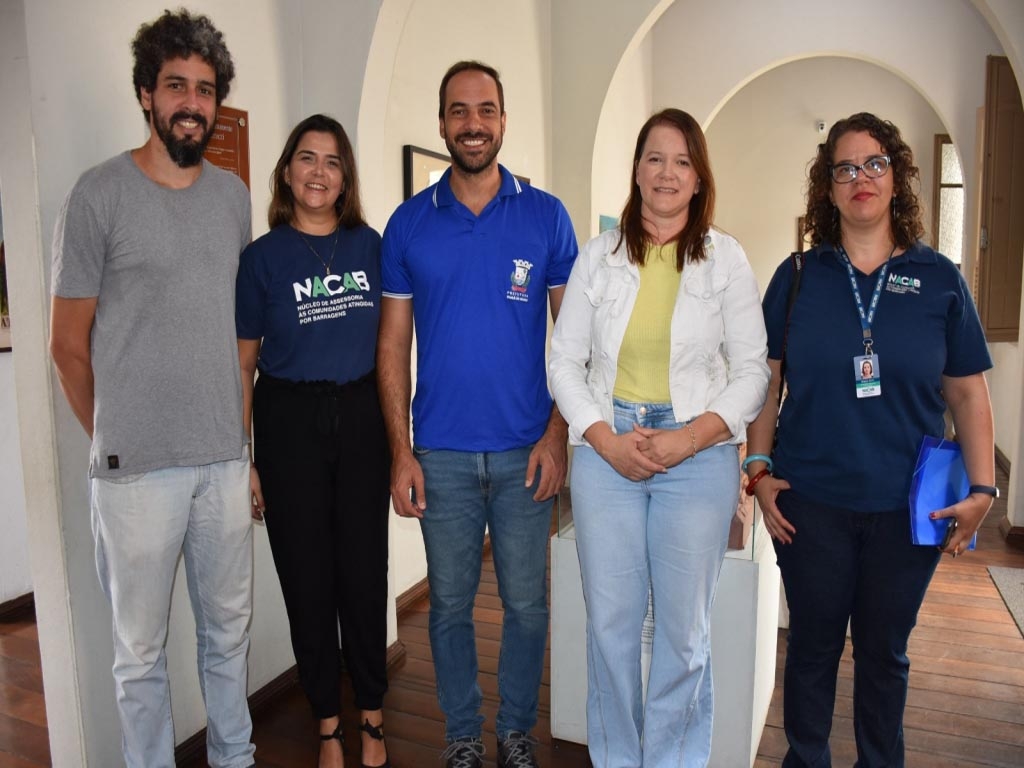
column 467, row 492
column 667, row 534
column 859, row 567
column 140, row 524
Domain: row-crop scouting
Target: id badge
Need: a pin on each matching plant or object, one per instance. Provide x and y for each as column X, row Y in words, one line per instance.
column 867, row 376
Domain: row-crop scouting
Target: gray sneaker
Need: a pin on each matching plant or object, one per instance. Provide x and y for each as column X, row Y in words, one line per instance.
column 466, row 752
column 516, row 751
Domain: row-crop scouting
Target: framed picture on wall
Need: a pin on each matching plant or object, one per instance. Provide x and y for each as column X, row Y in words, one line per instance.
column 5, row 305
column 420, row 169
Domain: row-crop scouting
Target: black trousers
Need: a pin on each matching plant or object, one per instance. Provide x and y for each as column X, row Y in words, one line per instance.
column 323, row 460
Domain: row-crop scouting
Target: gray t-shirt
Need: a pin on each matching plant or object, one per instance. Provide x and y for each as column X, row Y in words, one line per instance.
column 162, row 263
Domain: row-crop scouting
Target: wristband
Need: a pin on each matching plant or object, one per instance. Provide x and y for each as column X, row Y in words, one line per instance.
column 693, row 438
column 755, row 480
column 988, row 490
column 758, row 457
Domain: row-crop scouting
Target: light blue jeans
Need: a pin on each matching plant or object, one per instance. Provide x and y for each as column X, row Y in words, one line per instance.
column 141, row 523
column 467, row 492
column 667, row 534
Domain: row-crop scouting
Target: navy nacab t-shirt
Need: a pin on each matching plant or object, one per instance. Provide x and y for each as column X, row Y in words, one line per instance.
column 314, row 326
column 860, row 453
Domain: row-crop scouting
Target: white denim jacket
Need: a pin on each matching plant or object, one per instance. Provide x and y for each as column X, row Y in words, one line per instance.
column 718, row 342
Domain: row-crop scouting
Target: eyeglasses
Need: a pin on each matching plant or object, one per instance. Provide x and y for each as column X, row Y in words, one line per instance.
column 873, row 168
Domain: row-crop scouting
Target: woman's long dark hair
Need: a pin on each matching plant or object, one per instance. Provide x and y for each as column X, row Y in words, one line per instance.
column 690, row 239
column 347, row 206
column 822, row 221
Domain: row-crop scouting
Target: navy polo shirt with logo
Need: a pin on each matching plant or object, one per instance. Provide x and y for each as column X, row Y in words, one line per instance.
column 479, row 287
column 860, row 453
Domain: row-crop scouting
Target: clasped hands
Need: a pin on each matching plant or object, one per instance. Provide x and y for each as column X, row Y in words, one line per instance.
column 645, row 452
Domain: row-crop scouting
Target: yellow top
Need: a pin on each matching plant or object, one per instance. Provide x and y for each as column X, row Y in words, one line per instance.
column 642, row 373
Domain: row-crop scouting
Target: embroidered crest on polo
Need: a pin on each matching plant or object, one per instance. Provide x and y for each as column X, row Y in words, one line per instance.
column 519, row 280
column 902, row 284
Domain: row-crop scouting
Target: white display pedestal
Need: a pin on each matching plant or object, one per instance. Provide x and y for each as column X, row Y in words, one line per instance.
column 744, row 629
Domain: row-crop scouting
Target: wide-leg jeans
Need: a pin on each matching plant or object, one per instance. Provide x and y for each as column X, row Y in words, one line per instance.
column 141, row 524
column 857, row 567
column 465, row 493
column 667, row 534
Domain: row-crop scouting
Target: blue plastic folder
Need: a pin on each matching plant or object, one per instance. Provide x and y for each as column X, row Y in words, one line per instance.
column 940, row 480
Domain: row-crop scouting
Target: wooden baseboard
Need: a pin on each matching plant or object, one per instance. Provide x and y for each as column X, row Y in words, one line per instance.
column 411, row 596
column 1002, row 461
column 1013, row 534
column 396, row 654
column 421, row 589
column 19, row 608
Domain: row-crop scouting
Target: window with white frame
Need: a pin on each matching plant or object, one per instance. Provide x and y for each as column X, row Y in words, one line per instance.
column 948, row 200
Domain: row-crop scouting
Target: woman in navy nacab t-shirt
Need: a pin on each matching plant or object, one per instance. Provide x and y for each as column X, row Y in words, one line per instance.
column 878, row 337
column 308, row 305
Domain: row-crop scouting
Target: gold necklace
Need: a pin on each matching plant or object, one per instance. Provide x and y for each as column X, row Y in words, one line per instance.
column 334, row 246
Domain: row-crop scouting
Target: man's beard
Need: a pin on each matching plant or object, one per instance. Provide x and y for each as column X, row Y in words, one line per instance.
column 185, row 152
column 475, row 164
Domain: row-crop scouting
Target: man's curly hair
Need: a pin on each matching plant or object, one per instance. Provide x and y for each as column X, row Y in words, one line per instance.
column 178, row 35
column 822, row 221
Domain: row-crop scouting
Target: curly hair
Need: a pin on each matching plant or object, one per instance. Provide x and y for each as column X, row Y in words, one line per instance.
column 822, row 222
column 690, row 239
column 178, row 35
column 347, row 206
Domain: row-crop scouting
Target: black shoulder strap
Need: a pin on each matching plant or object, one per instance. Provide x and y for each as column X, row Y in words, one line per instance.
column 794, row 288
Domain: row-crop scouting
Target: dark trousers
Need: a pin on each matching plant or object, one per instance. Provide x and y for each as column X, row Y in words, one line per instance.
column 323, row 460
column 845, row 565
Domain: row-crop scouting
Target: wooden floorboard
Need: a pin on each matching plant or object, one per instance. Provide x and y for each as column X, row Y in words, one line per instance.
column 965, row 706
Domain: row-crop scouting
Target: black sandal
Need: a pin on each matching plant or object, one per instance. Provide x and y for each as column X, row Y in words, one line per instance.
column 336, row 735
column 375, row 732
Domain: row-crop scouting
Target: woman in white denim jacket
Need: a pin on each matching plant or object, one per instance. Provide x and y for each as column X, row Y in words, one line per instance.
column 657, row 393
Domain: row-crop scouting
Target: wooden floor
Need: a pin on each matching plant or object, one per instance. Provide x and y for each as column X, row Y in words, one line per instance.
column 965, row 708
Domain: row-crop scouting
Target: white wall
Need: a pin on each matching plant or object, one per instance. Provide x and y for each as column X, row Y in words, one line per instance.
column 15, row 579
column 1004, row 382
column 954, row 83
column 762, row 140
column 627, row 107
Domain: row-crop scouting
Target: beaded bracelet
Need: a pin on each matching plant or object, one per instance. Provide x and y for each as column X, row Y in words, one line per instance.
column 755, row 480
column 759, row 457
column 693, row 438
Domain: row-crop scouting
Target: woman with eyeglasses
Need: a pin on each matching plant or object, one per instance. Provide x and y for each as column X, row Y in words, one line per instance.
column 834, row 489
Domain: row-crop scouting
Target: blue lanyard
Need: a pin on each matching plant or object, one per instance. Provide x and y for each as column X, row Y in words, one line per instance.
column 868, row 317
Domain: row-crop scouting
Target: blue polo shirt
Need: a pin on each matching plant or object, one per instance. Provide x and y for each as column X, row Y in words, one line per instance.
column 479, row 287
column 860, row 453
column 314, row 326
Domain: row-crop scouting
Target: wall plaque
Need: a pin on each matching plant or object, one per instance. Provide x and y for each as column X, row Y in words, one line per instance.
column 229, row 145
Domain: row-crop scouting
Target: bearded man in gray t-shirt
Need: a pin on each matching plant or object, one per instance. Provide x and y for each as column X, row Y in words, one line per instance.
column 143, row 338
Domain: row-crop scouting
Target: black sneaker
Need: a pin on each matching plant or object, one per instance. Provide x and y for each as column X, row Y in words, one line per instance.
column 516, row 751
column 466, row 752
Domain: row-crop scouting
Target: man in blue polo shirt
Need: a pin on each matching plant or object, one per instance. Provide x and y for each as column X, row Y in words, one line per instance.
column 473, row 262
